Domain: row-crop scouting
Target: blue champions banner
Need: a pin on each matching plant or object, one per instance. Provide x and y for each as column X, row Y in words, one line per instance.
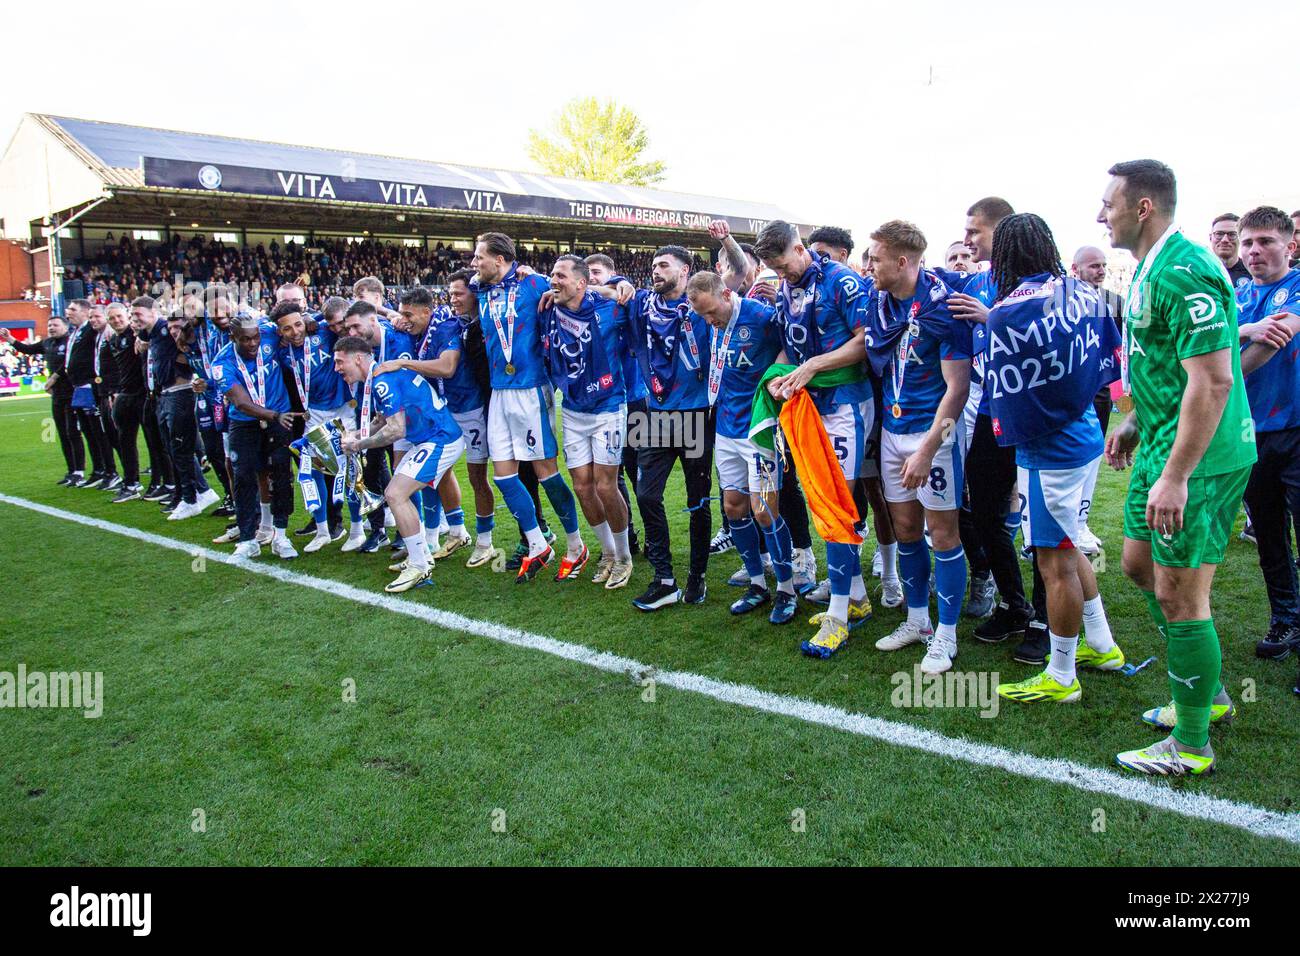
column 291, row 184
column 1053, row 343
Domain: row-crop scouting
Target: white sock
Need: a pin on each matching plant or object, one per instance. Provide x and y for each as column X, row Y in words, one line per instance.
column 758, row 579
column 622, row 550
column 839, row 607
column 356, row 531
column 443, row 527
column 536, row 542
column 388, row 518
column 857, row 588
column 605, row 537
column 266, row 515
column 1061, row 666
column 277, row 534
column 483, row 539
column 433, row 538
column 786, row 586
column 574, row 541
column 417, row 552
column 1096, row 629
column 889, row 562
column 948, row 634
column 456, row 530
column 920, row 616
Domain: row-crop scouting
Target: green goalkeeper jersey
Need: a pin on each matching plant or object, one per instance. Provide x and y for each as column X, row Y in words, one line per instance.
column 1181, row 305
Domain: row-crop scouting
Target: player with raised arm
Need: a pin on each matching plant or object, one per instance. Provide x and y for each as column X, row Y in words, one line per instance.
column 671, row 350
column 1195, row 444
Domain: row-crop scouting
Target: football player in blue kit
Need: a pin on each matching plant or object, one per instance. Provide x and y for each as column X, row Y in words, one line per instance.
column 583, row 345
column 522, row 408
column 323, row 394
column 362, row 321
column 744, row 342
column 248, row 377
column 991, row 469
column 436, row 334
column 1052, row 345
column 822, row 310
column 1268, row 315
column 401, row 405
column 601, row 268
column 924, row 355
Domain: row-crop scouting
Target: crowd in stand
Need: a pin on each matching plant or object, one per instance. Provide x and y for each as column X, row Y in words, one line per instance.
column 128, row 268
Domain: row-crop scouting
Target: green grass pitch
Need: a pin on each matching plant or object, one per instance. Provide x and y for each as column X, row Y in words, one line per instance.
column 224, row 693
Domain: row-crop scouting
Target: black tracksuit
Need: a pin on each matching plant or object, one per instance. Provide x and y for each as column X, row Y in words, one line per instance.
column 128, row 402
column 52, row 349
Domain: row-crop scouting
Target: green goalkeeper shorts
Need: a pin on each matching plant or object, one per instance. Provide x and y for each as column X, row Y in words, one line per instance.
column 1212, row 506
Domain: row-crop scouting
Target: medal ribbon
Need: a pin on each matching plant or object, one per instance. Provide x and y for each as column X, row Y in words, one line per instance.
column 365, row 403
column 303, row 381
column 898, row 371
column 718, row 357
column 258, row 394
column 494, row 310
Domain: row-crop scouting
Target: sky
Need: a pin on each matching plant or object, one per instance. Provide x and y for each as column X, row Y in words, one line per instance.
column 840, row 113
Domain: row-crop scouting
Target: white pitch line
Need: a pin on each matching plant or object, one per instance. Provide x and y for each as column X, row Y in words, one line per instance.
column 1188, row 803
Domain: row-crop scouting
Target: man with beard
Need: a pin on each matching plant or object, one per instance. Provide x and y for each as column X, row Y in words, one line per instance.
column 521, row 410
column 672, row 353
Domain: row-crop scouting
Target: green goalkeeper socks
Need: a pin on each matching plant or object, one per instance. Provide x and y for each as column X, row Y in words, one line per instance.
column 1157, row 614
column 1162, row 625
column 1195, row 661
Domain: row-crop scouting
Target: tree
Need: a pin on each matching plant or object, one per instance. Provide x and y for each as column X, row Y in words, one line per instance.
column 599, row 141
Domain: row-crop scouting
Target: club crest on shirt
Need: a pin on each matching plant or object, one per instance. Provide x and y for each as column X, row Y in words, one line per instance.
column 1279, row 296
column 743, row 333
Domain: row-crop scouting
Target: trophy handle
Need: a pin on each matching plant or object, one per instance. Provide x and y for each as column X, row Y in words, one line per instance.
column 367, row 500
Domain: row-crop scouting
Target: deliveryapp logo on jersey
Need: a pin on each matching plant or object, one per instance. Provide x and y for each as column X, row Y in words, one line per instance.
column 1202, row 309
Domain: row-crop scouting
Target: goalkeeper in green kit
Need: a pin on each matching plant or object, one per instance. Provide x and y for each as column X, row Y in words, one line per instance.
column 1195, row 444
